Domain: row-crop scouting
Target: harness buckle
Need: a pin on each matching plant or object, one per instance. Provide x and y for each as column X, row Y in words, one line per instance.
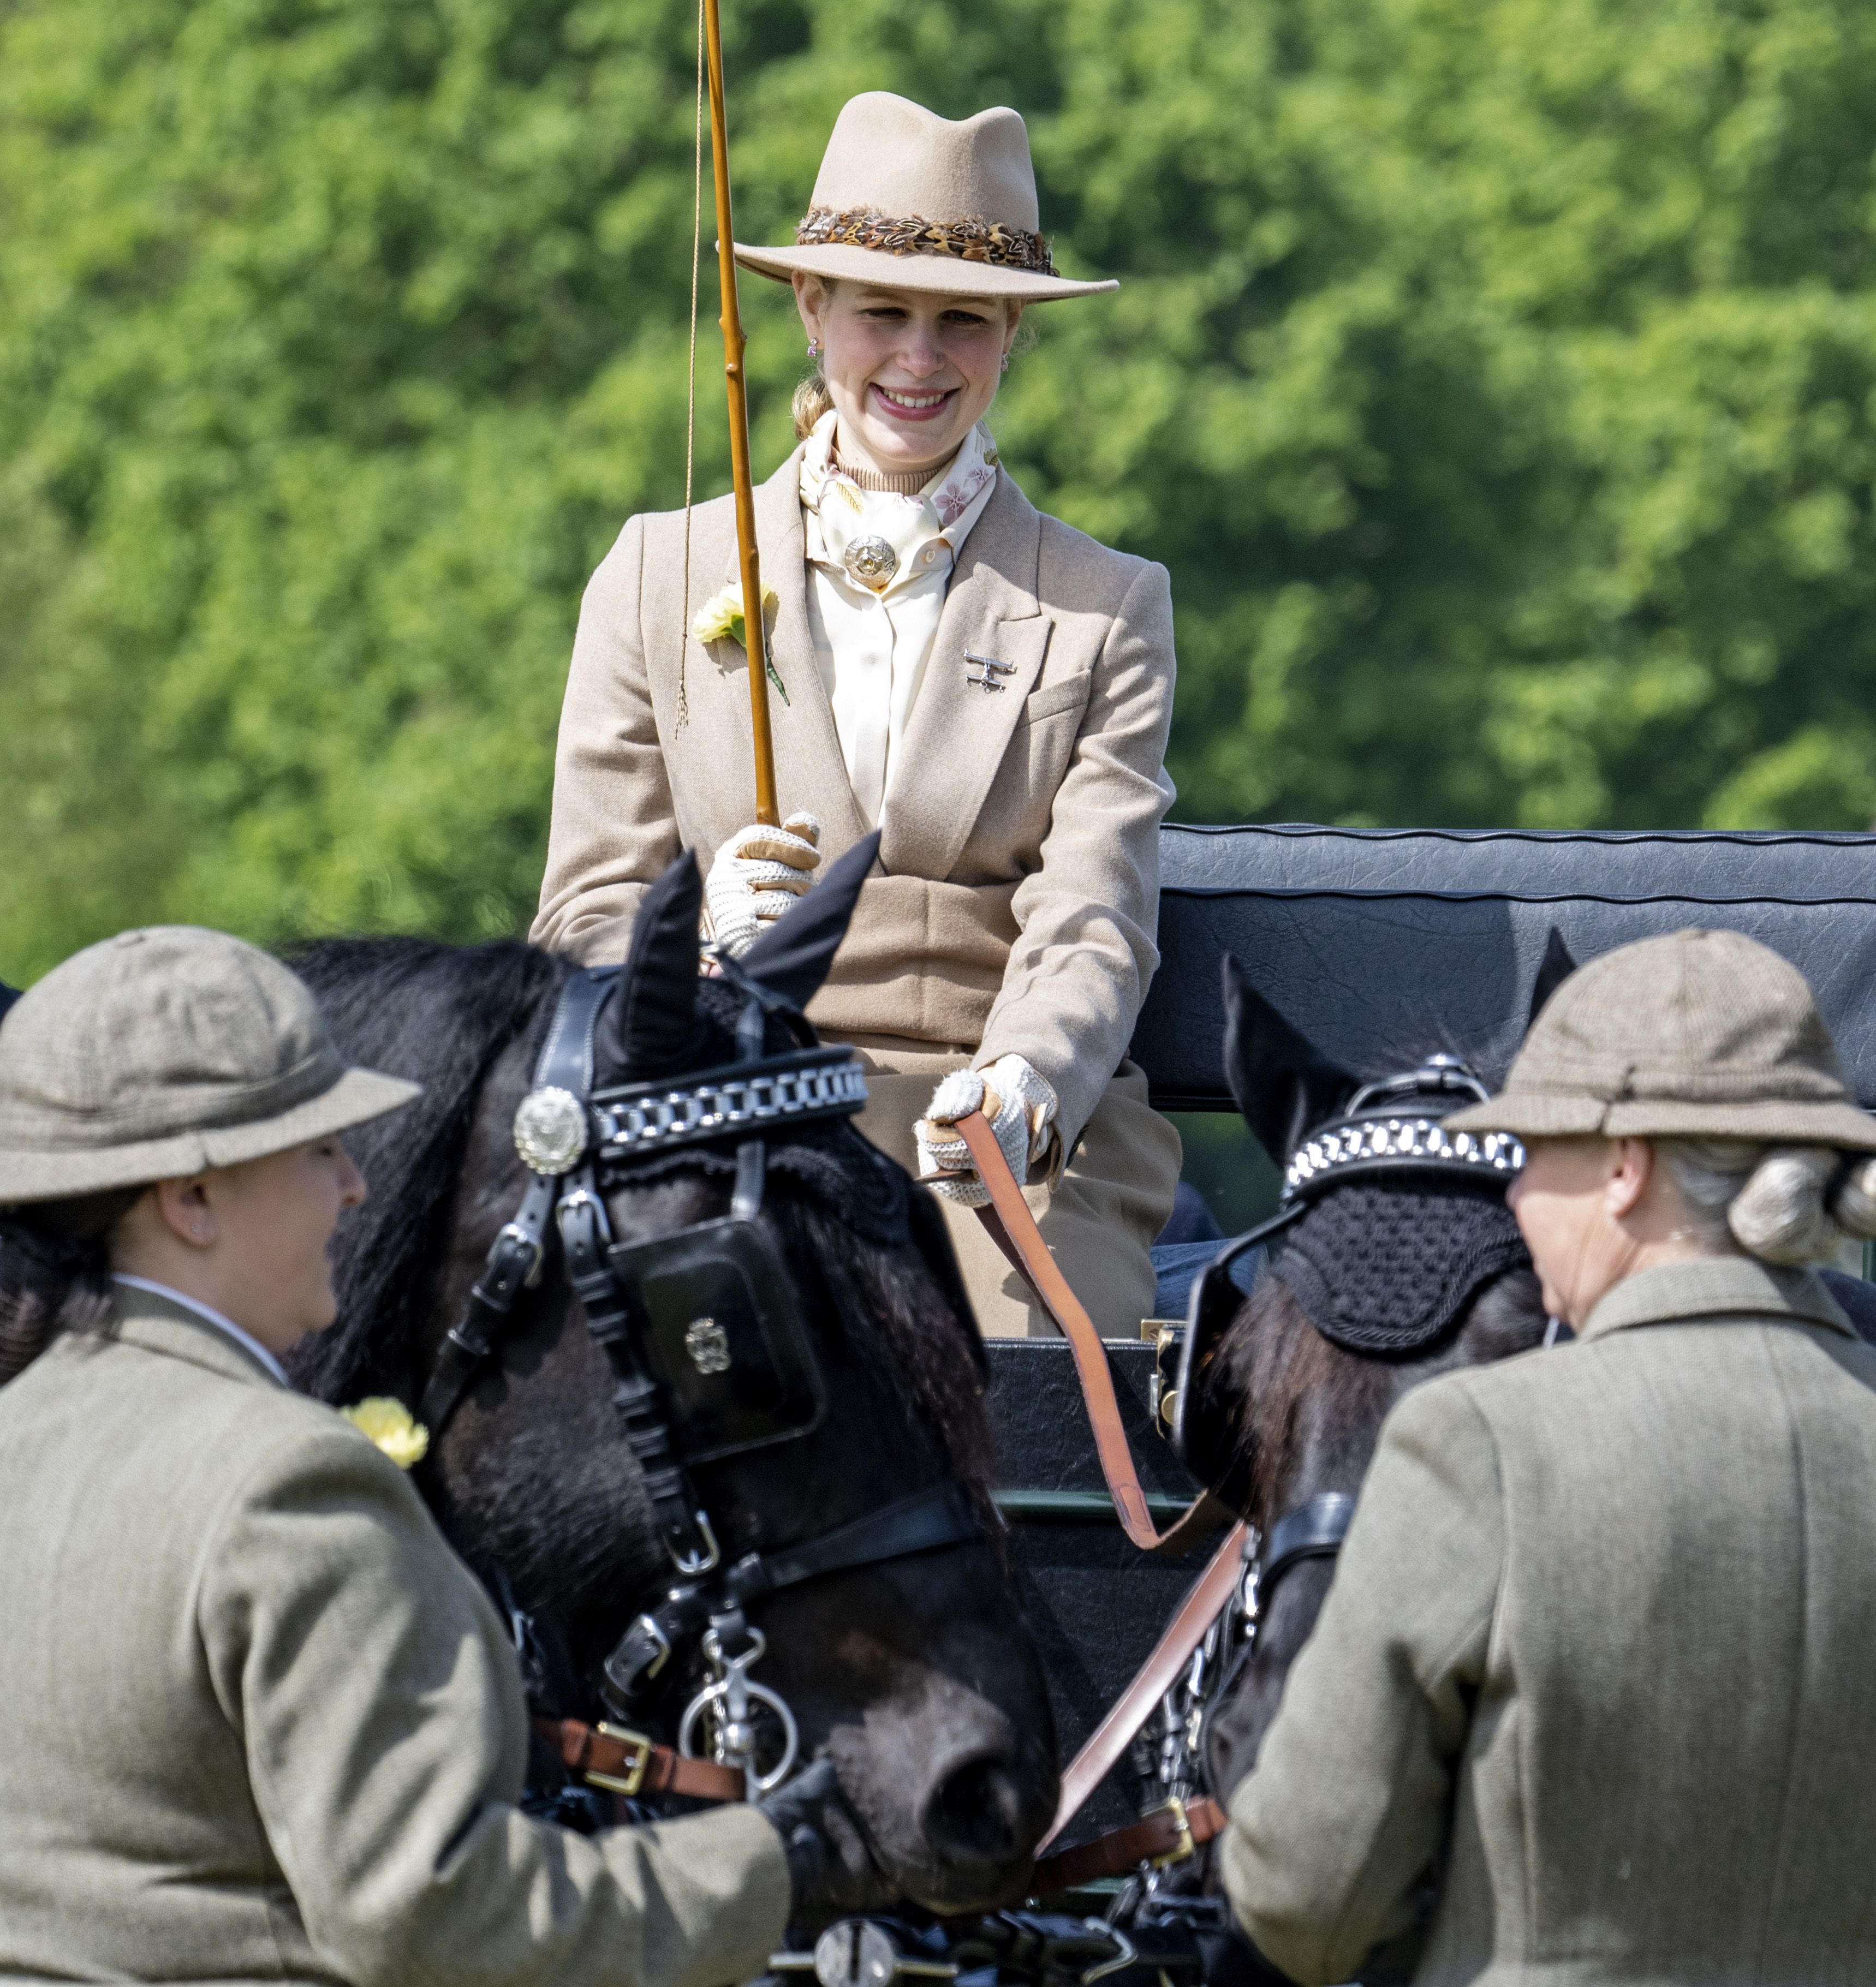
column 1181, row 1849
column 633, row 1778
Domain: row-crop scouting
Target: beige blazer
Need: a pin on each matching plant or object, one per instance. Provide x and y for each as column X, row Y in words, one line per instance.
column 1599, row 1651
column 261, row 1725
column 1016, row 896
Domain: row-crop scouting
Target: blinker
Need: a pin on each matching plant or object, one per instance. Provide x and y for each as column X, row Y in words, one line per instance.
column 723, row 1332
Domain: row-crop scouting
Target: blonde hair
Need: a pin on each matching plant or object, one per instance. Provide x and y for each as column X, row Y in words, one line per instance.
column 812, row 400
column 1780, row 1203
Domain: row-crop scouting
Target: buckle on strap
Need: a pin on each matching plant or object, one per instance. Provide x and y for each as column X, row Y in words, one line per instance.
column 1184, row 1847
column 629, row 1782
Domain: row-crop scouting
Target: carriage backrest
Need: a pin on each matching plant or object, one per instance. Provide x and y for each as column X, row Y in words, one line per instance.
column 1385, row 943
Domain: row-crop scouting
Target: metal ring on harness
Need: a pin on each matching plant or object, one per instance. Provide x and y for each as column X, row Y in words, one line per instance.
column 729, row 1696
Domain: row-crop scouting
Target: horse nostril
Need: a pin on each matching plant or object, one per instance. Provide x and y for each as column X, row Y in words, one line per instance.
column 975, row 1813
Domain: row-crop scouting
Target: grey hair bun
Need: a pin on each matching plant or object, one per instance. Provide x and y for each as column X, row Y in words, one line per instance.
column 1781, row 1214
column 1853, row 1204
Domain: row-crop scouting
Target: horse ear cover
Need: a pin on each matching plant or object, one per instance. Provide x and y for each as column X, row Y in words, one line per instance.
column 1282, row 1083
column 792, row 958
column 650, row 1027
column 1553, row 969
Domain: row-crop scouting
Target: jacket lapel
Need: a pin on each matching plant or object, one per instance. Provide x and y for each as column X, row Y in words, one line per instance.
column 810, row 771
column 958, row 732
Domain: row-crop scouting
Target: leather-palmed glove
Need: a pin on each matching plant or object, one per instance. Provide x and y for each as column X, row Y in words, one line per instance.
column 831, row 1870
column 1017, row 1099
column 758, row 874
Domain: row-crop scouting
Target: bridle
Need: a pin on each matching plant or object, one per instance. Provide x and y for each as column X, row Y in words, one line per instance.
column 702, row 1329
column 1390, row 1128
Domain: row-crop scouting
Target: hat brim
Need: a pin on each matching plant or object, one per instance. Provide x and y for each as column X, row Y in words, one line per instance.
column 358, row 1096
column 943, row 275
column 1536, row 1114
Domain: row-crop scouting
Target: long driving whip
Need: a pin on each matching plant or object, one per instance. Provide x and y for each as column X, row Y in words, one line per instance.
column 755, row 639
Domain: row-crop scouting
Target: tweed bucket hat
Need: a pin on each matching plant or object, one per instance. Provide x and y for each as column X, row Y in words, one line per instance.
column 164, row 1052
column 912, row 202
column 1695, row 1034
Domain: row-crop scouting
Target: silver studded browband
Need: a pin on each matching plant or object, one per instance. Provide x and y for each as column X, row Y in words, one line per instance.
column 554, row 1131
column 653, row 1121
column 1372, row 1144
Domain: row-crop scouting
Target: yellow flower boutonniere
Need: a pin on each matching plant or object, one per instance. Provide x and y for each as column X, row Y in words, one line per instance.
column 721, row 619
column 390, row 1425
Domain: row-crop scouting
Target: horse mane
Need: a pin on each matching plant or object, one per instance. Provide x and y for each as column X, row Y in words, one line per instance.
column 439, row 1014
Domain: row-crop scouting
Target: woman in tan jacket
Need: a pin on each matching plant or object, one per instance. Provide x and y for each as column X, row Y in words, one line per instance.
column 260, row 1723
column 989, row 689
column 1591, row 1699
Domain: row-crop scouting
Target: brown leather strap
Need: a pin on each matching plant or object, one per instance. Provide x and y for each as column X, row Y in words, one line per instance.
column 1200, row 1608
column 1169, row 1834
column 628, row 1763
column 1013, row 1228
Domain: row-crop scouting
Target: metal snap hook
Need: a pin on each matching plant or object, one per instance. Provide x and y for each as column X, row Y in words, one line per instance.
column 728, row 1700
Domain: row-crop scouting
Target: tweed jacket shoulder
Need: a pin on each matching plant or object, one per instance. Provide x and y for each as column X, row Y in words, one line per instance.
column 1017, row 897
column 1598, row 1652
column 261, row 1726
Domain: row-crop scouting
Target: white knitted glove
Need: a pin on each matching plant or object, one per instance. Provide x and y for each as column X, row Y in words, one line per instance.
column 1020, row 1103
column 758, row 874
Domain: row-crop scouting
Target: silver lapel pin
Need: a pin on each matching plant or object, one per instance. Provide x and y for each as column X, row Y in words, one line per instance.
column 989, row 670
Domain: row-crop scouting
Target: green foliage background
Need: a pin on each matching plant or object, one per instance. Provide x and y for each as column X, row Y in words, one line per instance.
column 1496, row 377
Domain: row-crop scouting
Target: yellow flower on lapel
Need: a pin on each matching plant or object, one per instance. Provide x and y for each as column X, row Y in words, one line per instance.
column 390, row 1425
column 720, row 617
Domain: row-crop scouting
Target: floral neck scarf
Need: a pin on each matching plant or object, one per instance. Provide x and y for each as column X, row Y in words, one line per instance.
column 848, row 517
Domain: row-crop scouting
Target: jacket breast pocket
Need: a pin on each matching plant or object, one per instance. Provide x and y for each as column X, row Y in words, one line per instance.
column 1050, row 700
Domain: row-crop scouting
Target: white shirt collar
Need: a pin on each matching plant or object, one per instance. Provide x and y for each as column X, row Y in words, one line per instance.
column 209, row 1315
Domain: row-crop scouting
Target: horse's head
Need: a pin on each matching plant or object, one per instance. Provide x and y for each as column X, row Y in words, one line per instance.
column 913, row 1673
column 1395, row 1266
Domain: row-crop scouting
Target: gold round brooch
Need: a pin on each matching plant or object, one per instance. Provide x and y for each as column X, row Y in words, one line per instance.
column 550, row 1130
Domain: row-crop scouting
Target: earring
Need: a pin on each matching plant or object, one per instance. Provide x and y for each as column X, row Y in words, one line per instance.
column 814, row 348
column 1005, row 366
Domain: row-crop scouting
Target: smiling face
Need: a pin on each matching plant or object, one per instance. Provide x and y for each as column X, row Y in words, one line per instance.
column 910, row 373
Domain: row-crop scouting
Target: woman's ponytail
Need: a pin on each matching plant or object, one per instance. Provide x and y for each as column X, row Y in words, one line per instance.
column 812, row 400
column 54, row 1272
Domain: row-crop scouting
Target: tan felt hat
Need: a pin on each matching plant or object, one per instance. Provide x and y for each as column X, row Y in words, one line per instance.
column 1695, row 1034
column 164, row 1052
column 910, row 200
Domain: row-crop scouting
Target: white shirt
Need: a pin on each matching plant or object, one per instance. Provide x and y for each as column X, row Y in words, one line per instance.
column 212, row 1317
column 872, row 646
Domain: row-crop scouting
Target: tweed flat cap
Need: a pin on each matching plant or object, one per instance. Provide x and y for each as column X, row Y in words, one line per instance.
column 164, row 1052
column 1695, row 1034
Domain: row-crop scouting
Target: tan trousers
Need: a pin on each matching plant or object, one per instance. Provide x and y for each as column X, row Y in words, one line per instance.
column 1099, row 1216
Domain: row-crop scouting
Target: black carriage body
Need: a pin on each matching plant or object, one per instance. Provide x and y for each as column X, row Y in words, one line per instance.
column 1383, row 946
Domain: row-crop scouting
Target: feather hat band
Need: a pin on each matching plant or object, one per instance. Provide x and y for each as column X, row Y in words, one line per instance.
column 912, row 202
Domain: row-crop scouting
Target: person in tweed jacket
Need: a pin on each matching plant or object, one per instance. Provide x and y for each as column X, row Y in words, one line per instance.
column 1594, row 1666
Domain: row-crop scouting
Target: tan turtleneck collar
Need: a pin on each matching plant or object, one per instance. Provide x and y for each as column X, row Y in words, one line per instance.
column 902, row 483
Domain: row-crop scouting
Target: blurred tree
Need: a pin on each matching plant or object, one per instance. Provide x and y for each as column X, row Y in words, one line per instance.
column 1497, row 378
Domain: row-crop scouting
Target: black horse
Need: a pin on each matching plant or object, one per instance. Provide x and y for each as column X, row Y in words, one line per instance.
column 1393, row 1275
column 915, row 1675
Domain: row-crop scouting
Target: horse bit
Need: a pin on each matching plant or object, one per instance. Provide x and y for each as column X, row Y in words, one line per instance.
column 702, row 1331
